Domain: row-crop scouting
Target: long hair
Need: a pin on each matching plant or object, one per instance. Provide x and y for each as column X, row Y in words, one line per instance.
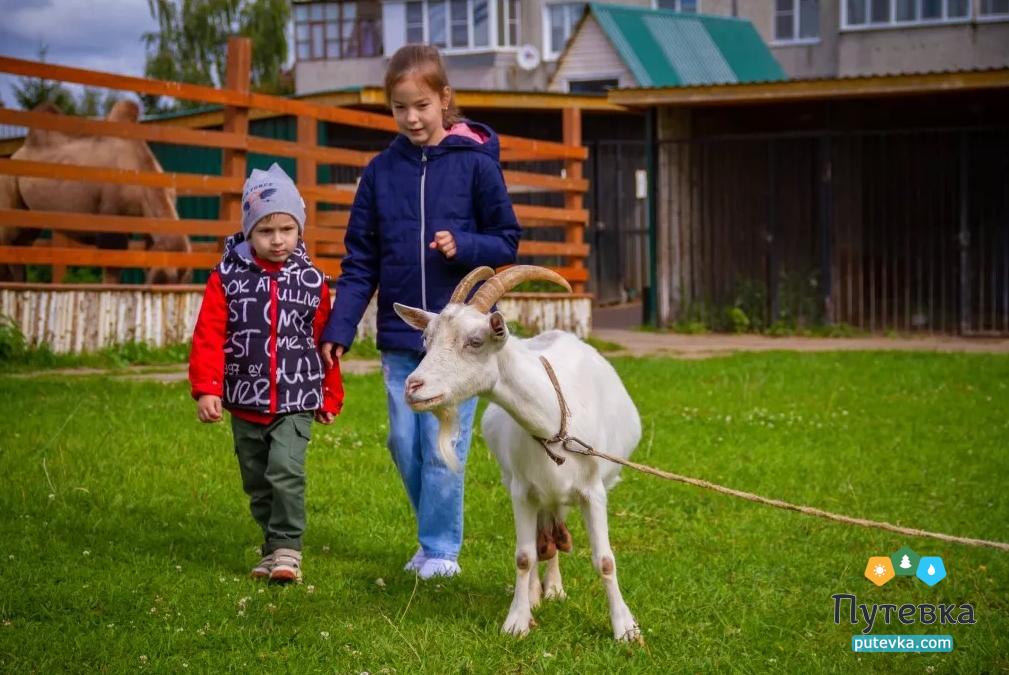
column 425, row 62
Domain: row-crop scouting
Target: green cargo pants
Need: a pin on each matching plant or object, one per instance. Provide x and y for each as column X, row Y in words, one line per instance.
column 272, row 460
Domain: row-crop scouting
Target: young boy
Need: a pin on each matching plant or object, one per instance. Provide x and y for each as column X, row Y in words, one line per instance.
column 255, row 353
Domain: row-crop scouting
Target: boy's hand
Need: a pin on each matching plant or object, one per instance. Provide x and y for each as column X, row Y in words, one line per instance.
column 324, row 417
column 208, row 408
column 330, row 351
column 444, row 242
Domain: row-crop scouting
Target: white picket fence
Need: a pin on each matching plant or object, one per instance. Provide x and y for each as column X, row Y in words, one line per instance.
column 73, row 318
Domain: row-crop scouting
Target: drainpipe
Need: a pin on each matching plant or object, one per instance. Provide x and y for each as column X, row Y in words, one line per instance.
column 651, row 308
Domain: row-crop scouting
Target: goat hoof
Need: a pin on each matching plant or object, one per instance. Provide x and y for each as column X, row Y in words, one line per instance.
column 631, row 633
column 518, row 624
column 554, row 593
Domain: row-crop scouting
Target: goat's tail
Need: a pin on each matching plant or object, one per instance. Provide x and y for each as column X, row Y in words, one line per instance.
column 448, row 432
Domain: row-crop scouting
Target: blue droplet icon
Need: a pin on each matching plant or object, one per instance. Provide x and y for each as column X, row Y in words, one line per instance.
column 931, row 570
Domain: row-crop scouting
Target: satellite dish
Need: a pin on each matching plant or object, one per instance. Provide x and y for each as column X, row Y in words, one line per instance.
column 528, row 57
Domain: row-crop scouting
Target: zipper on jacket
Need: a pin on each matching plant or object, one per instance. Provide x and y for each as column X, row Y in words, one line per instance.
column 274, row 299
column 423, row 235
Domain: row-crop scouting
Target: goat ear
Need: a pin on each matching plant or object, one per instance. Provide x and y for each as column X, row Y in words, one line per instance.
column 498, row 326
column 413, row 316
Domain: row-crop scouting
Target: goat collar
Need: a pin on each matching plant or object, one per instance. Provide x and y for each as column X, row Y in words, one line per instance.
column 561, row 437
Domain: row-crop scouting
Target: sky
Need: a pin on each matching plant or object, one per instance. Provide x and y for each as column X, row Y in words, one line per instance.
column 94, row 34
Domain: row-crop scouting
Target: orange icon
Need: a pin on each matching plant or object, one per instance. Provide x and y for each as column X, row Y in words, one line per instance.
column 879, row 570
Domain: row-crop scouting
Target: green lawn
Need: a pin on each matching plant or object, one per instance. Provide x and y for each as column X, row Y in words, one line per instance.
column 128, row 539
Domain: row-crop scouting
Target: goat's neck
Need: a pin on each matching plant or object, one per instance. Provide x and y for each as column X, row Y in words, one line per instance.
column 525, row 391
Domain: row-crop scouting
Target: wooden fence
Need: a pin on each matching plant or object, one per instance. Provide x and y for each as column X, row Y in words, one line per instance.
column 324, row 239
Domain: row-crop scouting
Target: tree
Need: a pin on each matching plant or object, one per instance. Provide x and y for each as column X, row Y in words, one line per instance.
column 30, row 92
column 93, row 104
column 190, row 44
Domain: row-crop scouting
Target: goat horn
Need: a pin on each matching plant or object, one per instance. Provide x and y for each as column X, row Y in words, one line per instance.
column 461, row 291
column 504, row 281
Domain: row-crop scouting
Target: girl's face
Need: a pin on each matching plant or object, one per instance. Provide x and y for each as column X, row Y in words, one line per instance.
column 418, row 110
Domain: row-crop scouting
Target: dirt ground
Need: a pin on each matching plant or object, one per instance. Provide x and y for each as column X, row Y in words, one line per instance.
column 640, row 343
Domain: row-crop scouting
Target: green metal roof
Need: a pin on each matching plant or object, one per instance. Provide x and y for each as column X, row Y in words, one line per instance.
column 666, row 49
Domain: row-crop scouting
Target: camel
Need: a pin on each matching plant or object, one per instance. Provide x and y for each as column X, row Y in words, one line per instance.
column 44, row 194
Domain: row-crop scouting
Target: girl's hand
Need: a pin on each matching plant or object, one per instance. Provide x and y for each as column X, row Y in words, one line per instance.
column 324, row 417
column 444, row 242
column 330, row 351
column 208, row 408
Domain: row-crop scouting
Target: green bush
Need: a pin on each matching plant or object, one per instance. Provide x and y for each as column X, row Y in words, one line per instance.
column 12, row 341
column 737, row 320
column 17, row 354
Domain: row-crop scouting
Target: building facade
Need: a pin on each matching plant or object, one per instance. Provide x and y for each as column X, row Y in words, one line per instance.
column 509, row 45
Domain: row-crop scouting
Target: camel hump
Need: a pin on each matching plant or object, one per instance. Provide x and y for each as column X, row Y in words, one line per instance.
column 124, row 110
column 41, row 138
column 47, row 107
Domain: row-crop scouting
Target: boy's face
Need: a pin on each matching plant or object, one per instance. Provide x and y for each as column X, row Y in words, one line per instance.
column 275, row 237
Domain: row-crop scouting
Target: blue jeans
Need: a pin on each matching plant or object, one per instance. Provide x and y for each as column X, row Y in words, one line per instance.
column 435, row 491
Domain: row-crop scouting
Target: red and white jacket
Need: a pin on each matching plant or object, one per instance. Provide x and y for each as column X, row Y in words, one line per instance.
column 207, row 357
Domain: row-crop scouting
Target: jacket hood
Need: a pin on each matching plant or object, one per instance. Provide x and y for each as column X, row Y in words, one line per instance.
column 238, row 250
column 453, row 143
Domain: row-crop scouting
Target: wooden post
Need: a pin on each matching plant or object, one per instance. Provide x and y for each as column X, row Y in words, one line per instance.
column 575, row 232
column 62, row 241
column 308, row 132
column 236, row 121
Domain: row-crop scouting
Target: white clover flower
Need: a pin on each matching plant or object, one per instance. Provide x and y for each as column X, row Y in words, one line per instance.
column 324, row 634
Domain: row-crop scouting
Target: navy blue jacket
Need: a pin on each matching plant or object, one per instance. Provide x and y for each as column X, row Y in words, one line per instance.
column 392, row 222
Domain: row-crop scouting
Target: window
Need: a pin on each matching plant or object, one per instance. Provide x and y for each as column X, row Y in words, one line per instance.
column 449, row 24
column 591, row 86
column 508, row 19
column 995, row 8
column 796, row 20
column 560, row 23
column 337, row 30
column 684, row 6
column 884, row 13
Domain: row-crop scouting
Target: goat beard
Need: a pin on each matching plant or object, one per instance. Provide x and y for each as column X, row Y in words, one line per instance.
column 448, row 432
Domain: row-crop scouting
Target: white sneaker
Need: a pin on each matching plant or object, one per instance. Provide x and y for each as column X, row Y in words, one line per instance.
column 416, row 562
column 439, row 567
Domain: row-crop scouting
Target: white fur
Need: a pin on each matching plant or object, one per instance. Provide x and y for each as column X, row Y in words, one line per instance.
column 508, row 372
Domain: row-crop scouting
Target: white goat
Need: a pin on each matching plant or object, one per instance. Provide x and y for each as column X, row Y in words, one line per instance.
column 470, row 352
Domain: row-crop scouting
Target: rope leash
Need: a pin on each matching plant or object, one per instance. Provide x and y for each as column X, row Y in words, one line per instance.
column 577, row 446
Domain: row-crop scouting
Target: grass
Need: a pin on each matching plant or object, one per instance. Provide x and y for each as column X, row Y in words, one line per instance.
column 128, row 539
column 603, row 346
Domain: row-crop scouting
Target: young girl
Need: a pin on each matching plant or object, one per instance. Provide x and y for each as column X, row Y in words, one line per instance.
column 429, row 209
